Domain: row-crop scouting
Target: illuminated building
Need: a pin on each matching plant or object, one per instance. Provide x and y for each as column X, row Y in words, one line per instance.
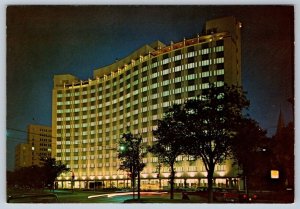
column 39, row 144
column 89, row 117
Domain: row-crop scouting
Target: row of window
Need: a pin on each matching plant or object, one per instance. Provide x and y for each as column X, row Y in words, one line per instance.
column 128, row 112
column 162, row 170
column 203, row 64
column 166, row 92
column 123, row 92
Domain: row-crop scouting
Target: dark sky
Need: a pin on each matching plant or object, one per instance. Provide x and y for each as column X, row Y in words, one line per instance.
column 49, row 40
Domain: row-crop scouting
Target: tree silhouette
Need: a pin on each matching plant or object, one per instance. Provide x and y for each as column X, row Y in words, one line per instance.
column 130, row 154
column 247, row 148
column 169, row 135
column 212, row 121
column 51, row 169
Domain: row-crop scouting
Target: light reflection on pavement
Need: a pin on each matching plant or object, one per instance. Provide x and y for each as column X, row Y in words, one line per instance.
column 109, row 195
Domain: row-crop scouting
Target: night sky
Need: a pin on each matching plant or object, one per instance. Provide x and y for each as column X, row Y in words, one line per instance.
column 45, row 41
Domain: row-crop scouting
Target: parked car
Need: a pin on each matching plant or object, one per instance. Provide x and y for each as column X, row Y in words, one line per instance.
column 234, row 195
column 221, row 195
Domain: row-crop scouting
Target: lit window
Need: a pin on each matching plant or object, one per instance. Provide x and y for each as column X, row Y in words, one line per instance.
column 205, row 85
column 153, row 86
column 178, row 79
column 144, row 89
column 204, row 74
column 191, row 65
column 154, row 65
column 166, row 82
column 191, row 54
column 177, row 91
column 178, row 68
column 144, row 79
column 166, row 104
column 166, row 71
column 219, row 83
column 178, row 57
column 165, row 93
column 154, row 75
column 191, row 77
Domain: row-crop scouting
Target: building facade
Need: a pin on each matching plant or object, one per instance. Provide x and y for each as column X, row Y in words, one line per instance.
column 39, row 145
column 23, row 156
column 89, row 117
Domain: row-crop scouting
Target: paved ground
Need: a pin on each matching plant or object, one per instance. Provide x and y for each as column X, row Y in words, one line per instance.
column 79, row 196
column 106, row 197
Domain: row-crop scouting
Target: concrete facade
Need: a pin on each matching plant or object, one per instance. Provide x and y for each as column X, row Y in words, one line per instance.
column 39, row 145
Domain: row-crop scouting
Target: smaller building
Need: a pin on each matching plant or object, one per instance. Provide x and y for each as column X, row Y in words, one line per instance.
column 23, row 156
column 38, row 146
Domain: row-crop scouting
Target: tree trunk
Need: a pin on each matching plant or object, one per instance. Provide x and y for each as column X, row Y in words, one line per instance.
column 133, row 184
column 210, row 174
column 139, row 185
column 172, row 177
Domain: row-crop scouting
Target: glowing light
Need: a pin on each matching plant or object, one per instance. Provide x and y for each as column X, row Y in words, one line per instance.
column 274, row 174
column 165, row 174
column 125, row 193
column 221, row 173
column 178, row 174
column 192, row 174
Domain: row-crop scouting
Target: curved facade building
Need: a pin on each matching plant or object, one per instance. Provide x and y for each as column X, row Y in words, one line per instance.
column 89, row 117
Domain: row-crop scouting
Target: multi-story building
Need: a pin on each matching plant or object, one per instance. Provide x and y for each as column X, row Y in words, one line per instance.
column 89, row 117
column 23, row 156
column 40, row 139
column 38, row 146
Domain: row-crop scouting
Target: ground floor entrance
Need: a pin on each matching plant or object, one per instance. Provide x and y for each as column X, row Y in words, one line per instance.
column 150, row 184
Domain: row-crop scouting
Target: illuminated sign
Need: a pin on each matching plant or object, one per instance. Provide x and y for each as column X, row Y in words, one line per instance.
column 274, row 174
